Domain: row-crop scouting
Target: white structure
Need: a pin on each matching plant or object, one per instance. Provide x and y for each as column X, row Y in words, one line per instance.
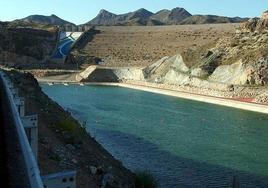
column 30, row 125
column 60, row 180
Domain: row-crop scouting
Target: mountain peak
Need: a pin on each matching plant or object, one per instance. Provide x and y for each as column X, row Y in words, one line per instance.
column 143, row 12
column 180, row 11
column 105, row 12
column 178, row 14
column 179, row 8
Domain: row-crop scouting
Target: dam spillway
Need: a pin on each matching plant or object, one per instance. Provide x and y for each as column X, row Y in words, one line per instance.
column 183, row 143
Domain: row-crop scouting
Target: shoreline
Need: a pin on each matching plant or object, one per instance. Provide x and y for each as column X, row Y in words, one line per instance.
column 228, row 102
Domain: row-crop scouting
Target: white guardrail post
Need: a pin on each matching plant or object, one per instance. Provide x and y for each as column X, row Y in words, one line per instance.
column 29, row 157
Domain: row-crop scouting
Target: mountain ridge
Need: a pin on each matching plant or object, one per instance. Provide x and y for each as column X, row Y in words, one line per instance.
column 140, row 17
column 41, row 19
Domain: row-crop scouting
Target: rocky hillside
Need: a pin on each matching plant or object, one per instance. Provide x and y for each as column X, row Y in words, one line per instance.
column 169, row 17
column 257, row 24
column 204, row 19
column 24, row 44
column 139, row 17
column 239, row 59
column 51, row 20
column 163, row 17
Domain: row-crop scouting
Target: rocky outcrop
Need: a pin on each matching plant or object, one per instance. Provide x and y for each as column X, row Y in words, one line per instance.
column 241, row 74
column 240, row 59
column 139, row 17
column 168, row 17
column 161, row 67
column 206, row 65
column 181, row 79
column 257, row 24
column 102, row 74
column 173, row 71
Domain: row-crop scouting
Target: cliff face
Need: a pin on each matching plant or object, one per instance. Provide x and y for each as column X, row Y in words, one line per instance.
column 25, row 45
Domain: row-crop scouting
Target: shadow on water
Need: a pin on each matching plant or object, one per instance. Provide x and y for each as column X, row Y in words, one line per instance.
column 169, row 169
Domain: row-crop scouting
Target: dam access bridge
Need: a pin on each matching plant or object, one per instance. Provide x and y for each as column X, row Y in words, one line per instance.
column 19, row 145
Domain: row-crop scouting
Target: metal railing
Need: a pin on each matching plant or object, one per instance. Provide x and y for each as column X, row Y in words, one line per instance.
column 29, row 159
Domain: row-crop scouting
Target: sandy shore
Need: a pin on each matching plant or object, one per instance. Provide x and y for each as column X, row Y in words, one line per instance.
column 255, row 107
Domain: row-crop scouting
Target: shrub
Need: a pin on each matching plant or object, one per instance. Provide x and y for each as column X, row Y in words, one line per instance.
column 66, row 125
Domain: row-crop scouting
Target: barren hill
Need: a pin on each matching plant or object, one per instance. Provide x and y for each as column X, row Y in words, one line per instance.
column 204, row 19
column 142, row 45
column 51, row 20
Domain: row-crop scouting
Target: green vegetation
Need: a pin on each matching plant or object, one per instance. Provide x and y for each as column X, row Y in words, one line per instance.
column 66, row 125
column 145, row 179
column 72, row 132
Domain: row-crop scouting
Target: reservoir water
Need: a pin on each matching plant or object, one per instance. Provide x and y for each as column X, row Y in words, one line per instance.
column 182, row 142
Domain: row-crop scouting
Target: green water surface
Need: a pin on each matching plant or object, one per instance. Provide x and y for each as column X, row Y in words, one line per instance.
column 182, row 142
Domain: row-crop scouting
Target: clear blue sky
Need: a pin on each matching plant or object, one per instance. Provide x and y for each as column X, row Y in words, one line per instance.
column 81, row 11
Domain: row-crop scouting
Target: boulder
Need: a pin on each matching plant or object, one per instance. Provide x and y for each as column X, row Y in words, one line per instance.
column 199, row 72
column 178, row 63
